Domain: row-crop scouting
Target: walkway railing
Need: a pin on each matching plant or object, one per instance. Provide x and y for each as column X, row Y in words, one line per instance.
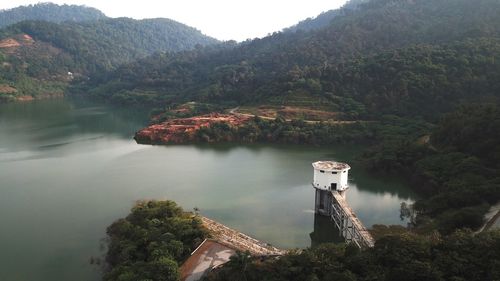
column 348, row 223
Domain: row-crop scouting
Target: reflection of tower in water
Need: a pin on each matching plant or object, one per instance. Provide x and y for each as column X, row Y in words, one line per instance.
column 324, row 231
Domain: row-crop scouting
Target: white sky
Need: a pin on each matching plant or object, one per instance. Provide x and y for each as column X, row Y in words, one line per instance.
column 223, row 19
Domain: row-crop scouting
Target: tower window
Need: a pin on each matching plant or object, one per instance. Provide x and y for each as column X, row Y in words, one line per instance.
column 321, row 171
column 334, row 173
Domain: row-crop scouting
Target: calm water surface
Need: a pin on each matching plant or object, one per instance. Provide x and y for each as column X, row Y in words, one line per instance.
column 68, row 169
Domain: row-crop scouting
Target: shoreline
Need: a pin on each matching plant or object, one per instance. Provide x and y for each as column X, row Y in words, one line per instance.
column 30, row 98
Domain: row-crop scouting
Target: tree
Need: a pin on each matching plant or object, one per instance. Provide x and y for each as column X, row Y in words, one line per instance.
column 150, row 242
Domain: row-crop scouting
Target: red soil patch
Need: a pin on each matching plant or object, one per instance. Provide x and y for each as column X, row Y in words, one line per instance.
column 9, row 43
column 17, row 41
column 183, row 129
column 25, row 98
column 6, row 89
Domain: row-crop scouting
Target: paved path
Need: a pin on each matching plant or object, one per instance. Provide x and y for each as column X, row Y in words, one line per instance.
column 235, row 112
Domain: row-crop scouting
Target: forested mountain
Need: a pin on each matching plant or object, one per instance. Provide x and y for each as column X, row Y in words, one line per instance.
column 324, row 18
column 380, row 58
column 49, row 12
column 104, row 44
column 41, row 57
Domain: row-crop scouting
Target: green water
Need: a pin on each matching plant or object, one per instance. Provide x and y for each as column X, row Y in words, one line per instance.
column 68, row 169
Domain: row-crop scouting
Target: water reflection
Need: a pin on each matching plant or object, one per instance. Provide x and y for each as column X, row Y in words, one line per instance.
column 222, row 148
column 325, row 231
column 52, row 128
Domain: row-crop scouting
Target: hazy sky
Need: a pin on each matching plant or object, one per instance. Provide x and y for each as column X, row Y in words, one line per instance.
column 222, row 19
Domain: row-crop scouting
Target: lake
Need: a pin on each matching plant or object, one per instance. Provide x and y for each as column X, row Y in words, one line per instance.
column 68, row 169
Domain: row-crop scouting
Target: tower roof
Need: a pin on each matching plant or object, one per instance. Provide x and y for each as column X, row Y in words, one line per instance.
column 330, row 166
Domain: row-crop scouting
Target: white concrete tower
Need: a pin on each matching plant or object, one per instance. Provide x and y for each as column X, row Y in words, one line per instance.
column 328, row 176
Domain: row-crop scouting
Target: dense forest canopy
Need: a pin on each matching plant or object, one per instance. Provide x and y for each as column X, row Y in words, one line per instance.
column 151, row 241
column 456, row 170
column 37, row 55
column 104, row 44
column 49, row 12
column 462, row 256
column 324, row 18
column 386, row 57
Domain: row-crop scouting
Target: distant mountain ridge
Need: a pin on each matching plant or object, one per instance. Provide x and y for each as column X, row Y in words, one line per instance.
column 49, row 12
column 323, row 67
column 36, row 56
column 110, row 42
column 325, row 18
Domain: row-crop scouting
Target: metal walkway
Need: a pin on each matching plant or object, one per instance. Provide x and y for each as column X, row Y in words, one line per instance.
column 348, row 223
column 237, row 240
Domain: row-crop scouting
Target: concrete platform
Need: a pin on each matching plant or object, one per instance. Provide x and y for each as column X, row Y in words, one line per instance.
column 207, row 256
column 216, row 251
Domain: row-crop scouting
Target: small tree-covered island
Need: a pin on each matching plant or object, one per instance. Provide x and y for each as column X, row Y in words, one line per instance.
column 151, row 241
column 412, row 84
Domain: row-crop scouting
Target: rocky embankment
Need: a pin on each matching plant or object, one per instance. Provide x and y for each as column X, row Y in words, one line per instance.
column 183, row 130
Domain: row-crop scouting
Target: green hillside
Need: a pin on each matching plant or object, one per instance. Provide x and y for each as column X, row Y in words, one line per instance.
column 40, row 57
column 104, row 44
column 376, row 59
column 49, row 12
column 325, row 18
